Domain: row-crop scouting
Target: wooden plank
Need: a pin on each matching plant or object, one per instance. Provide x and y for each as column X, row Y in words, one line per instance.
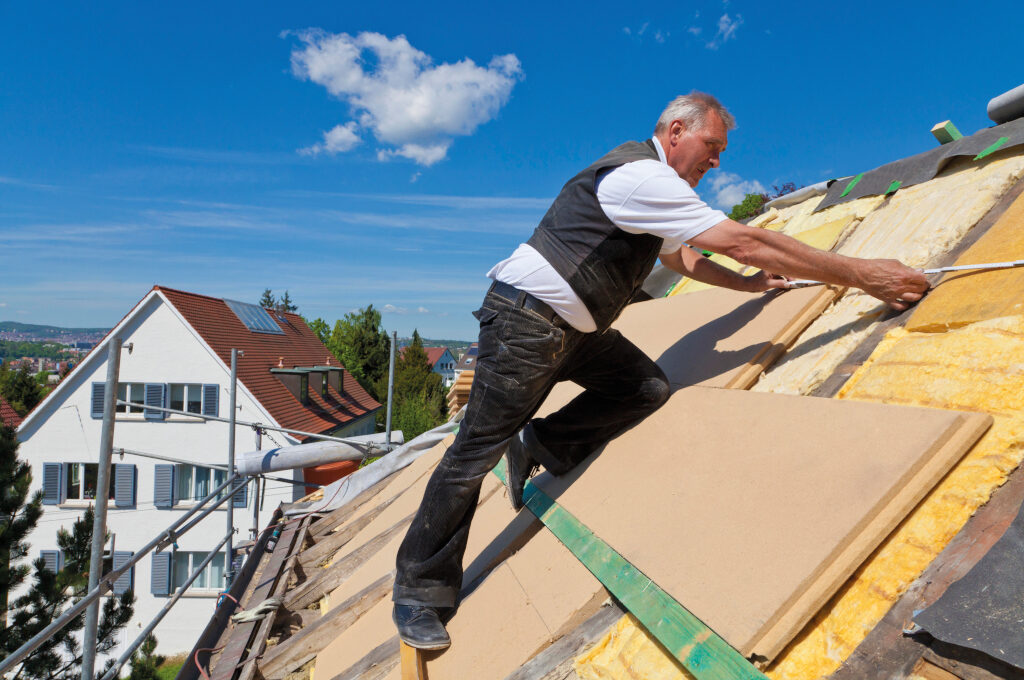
column 556, row 662
column 304, row 645
column 376, row 665
column 412, row 662
column 238, row 642
column 928, row 671
column 259, row 641
column 328, row 544
column 333, row 576
column 697, row 647
column 756, row 476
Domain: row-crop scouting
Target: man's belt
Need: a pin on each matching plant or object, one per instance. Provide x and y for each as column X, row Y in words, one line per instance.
column 523, row 299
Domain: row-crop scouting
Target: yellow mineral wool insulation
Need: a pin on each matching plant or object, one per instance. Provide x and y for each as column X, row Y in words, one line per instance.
column 690, row 285
column 628, row 652
column 926, row 220
column 823, row 346
column 851, row 211
column 979, row 367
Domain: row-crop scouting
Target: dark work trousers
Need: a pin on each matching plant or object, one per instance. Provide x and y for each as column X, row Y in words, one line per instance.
column 521, row 357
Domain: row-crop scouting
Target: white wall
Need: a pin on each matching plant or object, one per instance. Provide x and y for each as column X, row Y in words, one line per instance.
column 165, row 350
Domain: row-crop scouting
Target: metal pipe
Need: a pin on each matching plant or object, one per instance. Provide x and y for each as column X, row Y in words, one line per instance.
column 220, row 501
column 256, row 492
column 99, row 523
column 391, row 386
column 162, row 613
column 171, row 459
column 163, row 540
column 229, row 571
column 371, row 449
column 305, row 455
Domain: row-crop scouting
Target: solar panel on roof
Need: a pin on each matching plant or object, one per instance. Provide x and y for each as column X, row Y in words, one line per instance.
column 254, row 317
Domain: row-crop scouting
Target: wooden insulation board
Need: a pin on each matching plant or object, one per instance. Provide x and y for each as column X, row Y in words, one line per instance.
column 757, row 507
column 962, row 298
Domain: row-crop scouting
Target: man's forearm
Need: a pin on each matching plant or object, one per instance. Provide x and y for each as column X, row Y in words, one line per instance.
column 692, row 263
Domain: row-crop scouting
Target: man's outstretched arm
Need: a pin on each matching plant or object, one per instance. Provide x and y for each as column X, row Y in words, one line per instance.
column 692, row 263
column 894, row 283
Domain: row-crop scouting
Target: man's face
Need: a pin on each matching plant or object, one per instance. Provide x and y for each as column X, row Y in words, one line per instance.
column 691, row 153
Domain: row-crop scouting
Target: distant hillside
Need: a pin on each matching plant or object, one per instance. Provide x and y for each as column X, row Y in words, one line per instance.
column 46, row 331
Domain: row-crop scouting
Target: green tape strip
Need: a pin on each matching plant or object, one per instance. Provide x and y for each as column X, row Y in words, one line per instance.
column 992, row 149
column 672, row 287
column 893, row 187
column 851, row 185
column 693, row 644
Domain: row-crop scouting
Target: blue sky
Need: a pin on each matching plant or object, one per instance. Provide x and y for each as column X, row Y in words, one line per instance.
column 390, row 154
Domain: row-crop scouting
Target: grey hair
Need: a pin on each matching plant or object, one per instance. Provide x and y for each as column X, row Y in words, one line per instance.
column 693, row 109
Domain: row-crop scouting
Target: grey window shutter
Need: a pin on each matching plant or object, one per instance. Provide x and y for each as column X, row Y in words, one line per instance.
column 51, row 483
column 160, row 575
column 155, row 397
column 124, row 582
column 163, row 486
column 211, row 394
column 124, row 485
column 240, row 499
column 98, row 389
column 52, row 558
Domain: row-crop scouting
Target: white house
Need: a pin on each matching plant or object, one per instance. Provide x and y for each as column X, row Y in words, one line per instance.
column 442, row 362
column 180, row 358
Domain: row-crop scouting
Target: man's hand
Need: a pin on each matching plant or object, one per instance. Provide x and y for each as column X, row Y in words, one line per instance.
column 892, row 282
column 763, row 280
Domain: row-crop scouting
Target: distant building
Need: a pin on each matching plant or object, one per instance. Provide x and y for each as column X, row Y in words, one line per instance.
column 180, row 359
column 442, row 362
column 8, row 415
column 467, row 362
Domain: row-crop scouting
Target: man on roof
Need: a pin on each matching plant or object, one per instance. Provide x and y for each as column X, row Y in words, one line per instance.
column 547, row 318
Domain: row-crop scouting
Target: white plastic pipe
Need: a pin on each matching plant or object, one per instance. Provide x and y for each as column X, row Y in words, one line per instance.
column 307, row 455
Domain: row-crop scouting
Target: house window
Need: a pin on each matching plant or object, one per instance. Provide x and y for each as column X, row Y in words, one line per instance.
column 187, row 397
column 133, row 392
column 195, row 482
column 82, row 480
column 211, row 577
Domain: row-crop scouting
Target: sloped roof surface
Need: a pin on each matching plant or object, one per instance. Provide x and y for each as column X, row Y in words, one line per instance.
column 434, row 354
column 8, row 414
column 298, row 346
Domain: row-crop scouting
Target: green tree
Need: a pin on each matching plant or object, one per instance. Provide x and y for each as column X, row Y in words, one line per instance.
column 20, row 388
column 18, row 516
column 419, row 398
column 320, row 328
column 145, row 660
column 286, row 304
column 361, row 345
column 750, row 206
column 60, row 657
column 267, row 299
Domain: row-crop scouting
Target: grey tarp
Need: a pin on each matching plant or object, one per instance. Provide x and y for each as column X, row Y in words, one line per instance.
column 985, row 609
column 923, row 166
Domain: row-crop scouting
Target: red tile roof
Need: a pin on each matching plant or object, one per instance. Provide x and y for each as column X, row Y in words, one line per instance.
column 299, row 346
column 434, row 354
column 8, row 414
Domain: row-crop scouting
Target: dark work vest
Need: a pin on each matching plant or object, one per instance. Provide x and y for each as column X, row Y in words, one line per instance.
column 604, row 265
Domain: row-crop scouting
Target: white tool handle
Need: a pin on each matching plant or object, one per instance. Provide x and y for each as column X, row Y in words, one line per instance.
column 803, row 283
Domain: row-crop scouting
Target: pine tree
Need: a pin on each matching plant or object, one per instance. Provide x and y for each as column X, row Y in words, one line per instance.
column 362, row 347
column 285, row 304
column 145, row 660
column 20, row 388
column 267, row 299
column 17, row 517
column 419, row 397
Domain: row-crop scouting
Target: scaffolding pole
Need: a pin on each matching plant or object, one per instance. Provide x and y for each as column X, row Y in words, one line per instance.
column 99, row 524
column 229, row 571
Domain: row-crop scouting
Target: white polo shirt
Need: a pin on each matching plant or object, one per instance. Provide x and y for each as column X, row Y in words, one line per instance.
column 640, row 197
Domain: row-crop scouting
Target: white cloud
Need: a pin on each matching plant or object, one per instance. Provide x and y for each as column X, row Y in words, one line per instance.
column 727, row 28
column 338, row 139
column 415, row 177
column 422, row 310
column 3, row 304
column 411, row 105
column 694, row 30
column 391, row 309
column 728, row 189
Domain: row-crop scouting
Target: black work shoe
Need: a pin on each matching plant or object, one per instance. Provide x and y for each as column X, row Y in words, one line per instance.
column 519, row 466
column 420, row 627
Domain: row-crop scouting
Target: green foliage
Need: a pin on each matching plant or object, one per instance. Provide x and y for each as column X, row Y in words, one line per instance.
column 361, row 345
column 281, row 304
column 60, row 657
column 18, row 514
column 145, row 661
column 320, row 328
column 750, row 206
column 419, row 401
column 20, row 388
column 16, row 349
